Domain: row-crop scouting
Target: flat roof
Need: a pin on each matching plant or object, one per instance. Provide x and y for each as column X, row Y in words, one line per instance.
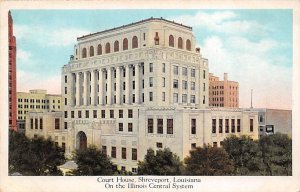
column 135, row 23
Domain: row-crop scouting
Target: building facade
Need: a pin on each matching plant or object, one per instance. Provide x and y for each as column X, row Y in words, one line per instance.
column 36, row 100
column 138, row 86
column 223, row 93
column 12, row 82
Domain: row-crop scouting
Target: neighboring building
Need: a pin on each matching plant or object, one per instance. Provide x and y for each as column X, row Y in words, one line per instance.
column 138, row 86
column 223, row 93
column 36, row 100
column 12, row 82
column 274, row 120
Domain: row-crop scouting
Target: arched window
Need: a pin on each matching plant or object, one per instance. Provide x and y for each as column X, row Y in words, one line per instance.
column 91, row 51
column 99, row 49
column 171, row 41
column 188, row 45
column 116, row 46
column 180, row 46
column 84, row 53
column 107, row 48
column 134, row 42
column 125, row 44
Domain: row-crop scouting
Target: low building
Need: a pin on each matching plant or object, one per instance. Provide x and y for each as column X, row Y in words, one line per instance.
column 223, row 93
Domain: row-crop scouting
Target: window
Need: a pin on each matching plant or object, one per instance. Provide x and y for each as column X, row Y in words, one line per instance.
column 163, row 82
column 120, row 126
column 144, row 36
column 104, row 150
column 87, row 114
column 66, row 114
column 113, row 152
column 124, row 85
column 125, row 44
column 66, row 80
column 150, row 96
column 188, row 45
column 175, row 98
column 102, row 113
column 116, row 46
column 160, row 124
column 215, row 144
column 226, row 125
column 193, row 99
column 175, row 70
column 238, row 125
column 180, row 43
column 134, row 154
column 184, row 85
column 150, row 67
column 111, row 114
column 79, row 114
column 171, row 41
column 123, row 168
column 66, row 101
column 193, row 126
column 203, row 101
column 95, row 113
column 56, row 123
column 175, row 83
column 204, row 74
column 150, row 125
column 41, row 123
column 159, row 145
column 156, row 38
column 213, row 126
column 261, row 118
column 193, row 146
column 36, row 123
column 134, row 42
column 184, row 71
column 91, row 51
column 72, row 114
column 130, row 127
column 251, row 125
column 193, row 72
column 163, row 67
column 169, row 126
column 133, row 71
column 130, row 113
column 120, row 113
column 232, row 125
column 65, row 125
column 123, row 153
column 63, row 145
column 220, row 125
column 163, row 96
column 107, row 48
column 150, row 81
column 203, row 86
column 84, row 53
column 99, row 49
column 192, row 85
column 184, row 98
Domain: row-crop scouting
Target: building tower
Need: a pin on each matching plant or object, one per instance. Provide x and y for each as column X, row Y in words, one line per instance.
column 12, row 83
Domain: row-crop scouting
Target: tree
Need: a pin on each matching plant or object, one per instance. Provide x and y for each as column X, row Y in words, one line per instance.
column 92, row 161
column 164, row 162
column 34, row 156
column 208, row 160
column 245, row 153
column 277, row 154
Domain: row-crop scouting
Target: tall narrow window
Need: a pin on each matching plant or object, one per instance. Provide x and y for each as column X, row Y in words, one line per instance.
column 116, row 46
column 130, row 127
column 213, row 126
column 104, row 150
column 169, row 126
column 125, row 44
column 120, row 126
column 113, row 152
column 150, row 125
column 31, row 123
column 171, row 41
column 188, row 45
column 56, row 123
column 238, row 125
column 123, row 153
column 91, row 51
column 193, row 126
column 180, row 43
column 84, row 53
column 160, row 125
column 99, row 49
column 41, row 123
column 226, row 125
column 134, row 42
column 150, row 67
column 220, row 125
column 232, row 125
column 130, row 113
column 107, row 48
column 134, row 154
column 156, row 38
column 251, row 125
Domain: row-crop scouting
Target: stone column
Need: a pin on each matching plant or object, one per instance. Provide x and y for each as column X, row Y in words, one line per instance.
column 118, row 85
column 137, row 83
column 85, row 88
column 108, row 85
column 77, row 89
column 93, row 87
column 100, row 94
column 127, row 87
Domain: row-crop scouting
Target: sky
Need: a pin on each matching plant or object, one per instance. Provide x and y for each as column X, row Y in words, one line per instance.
column 253, row 46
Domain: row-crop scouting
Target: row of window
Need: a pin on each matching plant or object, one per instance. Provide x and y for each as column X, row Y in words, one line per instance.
column 184, row 71
column 36, row 100
column 160, row 126
column 103, row 114
column 234, row 127
column 37, row 106
column 123, row 152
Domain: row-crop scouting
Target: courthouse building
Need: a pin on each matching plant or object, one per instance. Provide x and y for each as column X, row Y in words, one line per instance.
column 138, row 86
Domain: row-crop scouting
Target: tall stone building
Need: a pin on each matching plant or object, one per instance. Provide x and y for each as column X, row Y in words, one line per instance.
column 12, row 82
column 223, row 93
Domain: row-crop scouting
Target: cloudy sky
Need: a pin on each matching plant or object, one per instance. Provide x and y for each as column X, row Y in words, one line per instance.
column 253, row 46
